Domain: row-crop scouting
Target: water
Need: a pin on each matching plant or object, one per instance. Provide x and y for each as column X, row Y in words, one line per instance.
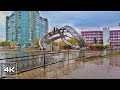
column 106, row 68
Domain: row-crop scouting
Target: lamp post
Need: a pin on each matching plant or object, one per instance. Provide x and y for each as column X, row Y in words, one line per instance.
column 33, row 46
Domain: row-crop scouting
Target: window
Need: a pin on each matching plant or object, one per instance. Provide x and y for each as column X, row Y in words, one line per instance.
column 82, row 33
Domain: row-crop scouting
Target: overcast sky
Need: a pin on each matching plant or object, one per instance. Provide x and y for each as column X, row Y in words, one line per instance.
column 80, row 20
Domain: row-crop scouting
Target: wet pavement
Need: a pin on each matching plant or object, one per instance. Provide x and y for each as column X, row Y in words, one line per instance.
column 104, row 68
column 107, row 68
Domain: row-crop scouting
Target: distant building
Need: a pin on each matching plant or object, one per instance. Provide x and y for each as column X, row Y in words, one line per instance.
column 115, row 37
column 90, row 35
column 111, row 37
column 24, row 27
column 43, row 26
column 106, row 36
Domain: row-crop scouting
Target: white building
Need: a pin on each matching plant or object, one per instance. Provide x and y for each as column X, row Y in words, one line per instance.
column 106, row 36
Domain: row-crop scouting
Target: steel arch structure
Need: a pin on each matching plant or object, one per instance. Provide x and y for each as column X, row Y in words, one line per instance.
column 66, row 29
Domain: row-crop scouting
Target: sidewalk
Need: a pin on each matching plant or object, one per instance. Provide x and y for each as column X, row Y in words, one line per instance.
column 55, row 71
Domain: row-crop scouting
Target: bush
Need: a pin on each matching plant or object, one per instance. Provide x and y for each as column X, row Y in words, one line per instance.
column 67, row 47
column 97, row 47
column 5, row 44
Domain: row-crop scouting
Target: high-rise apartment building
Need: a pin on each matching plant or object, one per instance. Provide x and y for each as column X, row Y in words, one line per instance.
column 43, row 26
column 24, row 27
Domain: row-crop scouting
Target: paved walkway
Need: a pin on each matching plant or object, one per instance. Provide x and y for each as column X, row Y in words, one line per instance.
column 99, row 69
column 107, row 68
column 54, row 71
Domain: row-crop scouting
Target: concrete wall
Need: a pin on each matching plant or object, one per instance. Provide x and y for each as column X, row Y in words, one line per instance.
column 56, row 48
column 48, row 47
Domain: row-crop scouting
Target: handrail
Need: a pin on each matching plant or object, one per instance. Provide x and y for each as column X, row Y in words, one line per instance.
column 31, row 55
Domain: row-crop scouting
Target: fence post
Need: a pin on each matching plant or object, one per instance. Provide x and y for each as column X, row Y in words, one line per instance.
column 68, row 60
column 1, row 70
column 44, row 64
column 68, row 57
column 44, row 61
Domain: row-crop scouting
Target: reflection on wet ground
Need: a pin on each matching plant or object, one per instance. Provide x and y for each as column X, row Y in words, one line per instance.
column 107, row 68
column 54, row 71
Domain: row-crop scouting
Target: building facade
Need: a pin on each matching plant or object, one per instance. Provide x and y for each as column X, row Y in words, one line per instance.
column 43, row 26
column 89, row 36
column 107, row 37
column 115, row 37
column 24, row 27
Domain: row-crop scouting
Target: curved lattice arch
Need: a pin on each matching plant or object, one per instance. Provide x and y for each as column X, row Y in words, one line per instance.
column 66, row 29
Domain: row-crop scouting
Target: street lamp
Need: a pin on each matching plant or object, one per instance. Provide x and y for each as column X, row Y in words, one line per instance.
column 33, row 46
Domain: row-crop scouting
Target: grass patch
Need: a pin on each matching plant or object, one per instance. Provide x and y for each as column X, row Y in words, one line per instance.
column 99, row 57
column 90, row 59
column 111, row 55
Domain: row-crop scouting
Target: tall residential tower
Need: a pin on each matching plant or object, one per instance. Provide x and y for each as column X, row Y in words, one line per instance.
column 24, row 27
column 43, row 26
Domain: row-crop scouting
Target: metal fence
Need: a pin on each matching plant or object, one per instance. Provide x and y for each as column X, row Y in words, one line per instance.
column 25, row 63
